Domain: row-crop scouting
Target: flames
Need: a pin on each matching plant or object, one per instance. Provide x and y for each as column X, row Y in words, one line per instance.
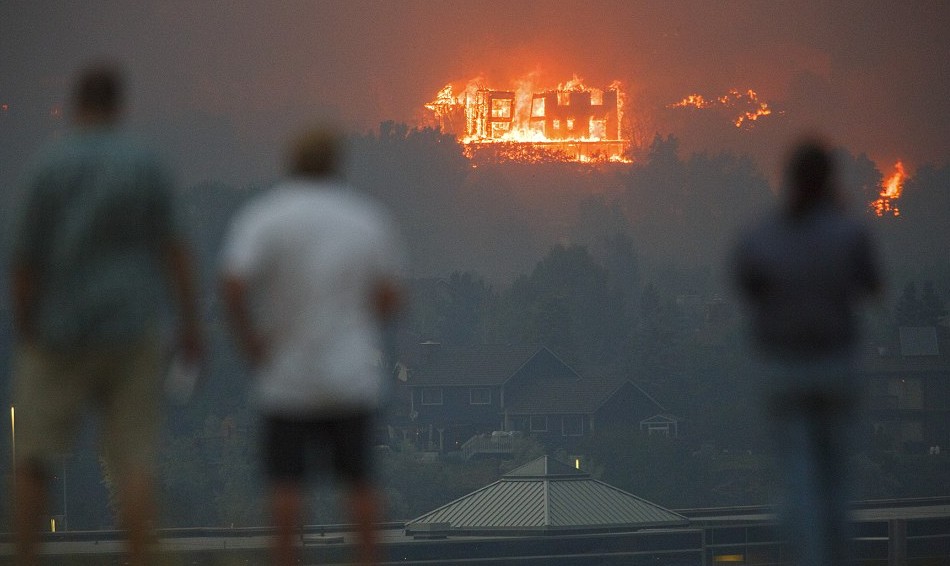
column 570, row 122
column 891, row 189
column 748, row 103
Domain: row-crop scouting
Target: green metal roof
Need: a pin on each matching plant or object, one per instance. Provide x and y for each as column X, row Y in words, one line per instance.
column 545, row 467
column 544, row 496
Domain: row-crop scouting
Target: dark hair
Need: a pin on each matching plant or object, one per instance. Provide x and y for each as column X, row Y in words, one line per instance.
column 317, row 153
column 810, row 175
column 99, row 88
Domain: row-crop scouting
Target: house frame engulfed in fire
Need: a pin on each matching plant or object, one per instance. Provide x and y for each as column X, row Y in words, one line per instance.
column 578, row 123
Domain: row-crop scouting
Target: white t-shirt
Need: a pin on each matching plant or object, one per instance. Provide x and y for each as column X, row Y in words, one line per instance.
column 311, row 255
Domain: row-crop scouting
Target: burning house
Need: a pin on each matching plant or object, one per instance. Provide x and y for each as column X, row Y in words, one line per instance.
column 572, row 121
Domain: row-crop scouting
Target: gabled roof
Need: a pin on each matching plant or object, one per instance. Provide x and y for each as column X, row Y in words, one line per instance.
column 662, row 419
column 920, row 350
column 483, row 365
column 919, row 341
column 544, row 497
column 582, row 396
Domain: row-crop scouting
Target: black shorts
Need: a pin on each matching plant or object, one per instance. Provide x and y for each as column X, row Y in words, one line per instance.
column 293, row 445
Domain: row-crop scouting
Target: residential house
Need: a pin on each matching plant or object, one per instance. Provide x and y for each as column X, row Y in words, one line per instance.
column 457, row 394
column 909, row 391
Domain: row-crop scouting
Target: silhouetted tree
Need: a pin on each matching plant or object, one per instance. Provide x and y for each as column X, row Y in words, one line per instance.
column 687, row 211
column 566, row 304
column 916, row 308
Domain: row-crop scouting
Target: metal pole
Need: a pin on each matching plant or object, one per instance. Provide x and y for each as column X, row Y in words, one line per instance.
column 13, row 449
column 65, row 508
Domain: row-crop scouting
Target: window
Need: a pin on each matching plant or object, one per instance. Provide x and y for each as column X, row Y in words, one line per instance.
column 661, row 425
column 518, row 423
column 539, row 424
column 431, row 395
column 479, row 396
column 537, row 108
column 501, row 107
column 598, row 128
column 572, row 425
column 662, row 429
column 499, row 129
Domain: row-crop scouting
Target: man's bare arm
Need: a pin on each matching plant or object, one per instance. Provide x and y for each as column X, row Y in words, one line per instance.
column 235, row 294
column 180, row 270
column 23, row 290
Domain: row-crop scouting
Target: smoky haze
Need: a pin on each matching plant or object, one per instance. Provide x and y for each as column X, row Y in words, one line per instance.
column 221, row 85
column 610, row 265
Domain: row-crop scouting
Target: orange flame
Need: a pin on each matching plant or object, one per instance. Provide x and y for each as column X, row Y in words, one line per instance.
column 891, row 189
column 752, row 111
column 571, row 122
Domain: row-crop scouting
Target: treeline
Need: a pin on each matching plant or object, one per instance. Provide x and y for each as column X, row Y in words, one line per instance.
column 618, row 268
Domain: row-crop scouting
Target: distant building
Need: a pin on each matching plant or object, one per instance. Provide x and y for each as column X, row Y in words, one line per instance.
column 545, row 497
column 474, row 399
column 909, row 391
column 576, row 122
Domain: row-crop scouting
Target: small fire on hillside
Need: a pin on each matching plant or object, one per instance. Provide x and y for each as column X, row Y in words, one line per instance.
column 570, row 122
column 891, row 189
column 747, row 103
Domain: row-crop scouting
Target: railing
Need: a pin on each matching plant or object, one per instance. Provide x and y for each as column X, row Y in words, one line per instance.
column 483, row 444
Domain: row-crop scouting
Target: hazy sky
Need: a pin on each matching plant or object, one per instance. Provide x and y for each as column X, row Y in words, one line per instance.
column 220, row 84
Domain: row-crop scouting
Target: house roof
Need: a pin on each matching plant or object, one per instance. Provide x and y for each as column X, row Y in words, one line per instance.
column 483, row 365
column 536, row 380
column 545, row 496
column 919, row 350
column 559, row 396
column 662, row 419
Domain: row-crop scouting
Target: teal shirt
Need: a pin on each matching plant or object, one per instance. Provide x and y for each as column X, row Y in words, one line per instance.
column 97, row 219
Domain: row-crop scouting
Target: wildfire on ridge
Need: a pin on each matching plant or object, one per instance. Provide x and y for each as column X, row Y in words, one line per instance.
column 748, row 102
column 891, row 189
column 571, row 122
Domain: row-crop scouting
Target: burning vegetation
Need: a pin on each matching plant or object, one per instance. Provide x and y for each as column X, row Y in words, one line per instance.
column 572, row 122
column 747, row 103
column 891, row 189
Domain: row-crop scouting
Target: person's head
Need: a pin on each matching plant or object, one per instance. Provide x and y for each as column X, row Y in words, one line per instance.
column 317, row 153
column 810, row 176
column 98, row 95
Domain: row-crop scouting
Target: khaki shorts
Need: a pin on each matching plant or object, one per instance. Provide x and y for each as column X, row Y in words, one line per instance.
column 53, row 391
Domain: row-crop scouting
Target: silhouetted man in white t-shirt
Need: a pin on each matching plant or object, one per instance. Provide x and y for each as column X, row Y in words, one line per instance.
column 310, row 272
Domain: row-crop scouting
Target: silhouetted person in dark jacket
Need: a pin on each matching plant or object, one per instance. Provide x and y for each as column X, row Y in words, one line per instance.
column 802, row 272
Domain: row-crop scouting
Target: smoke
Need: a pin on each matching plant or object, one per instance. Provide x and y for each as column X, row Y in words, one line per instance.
column 864, row 77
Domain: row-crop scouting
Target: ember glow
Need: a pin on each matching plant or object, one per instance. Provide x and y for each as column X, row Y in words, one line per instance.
column 571, row 122
column 748, row 104
column 891, row 189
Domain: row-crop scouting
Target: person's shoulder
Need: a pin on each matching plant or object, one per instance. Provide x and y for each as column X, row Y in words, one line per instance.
column 56, row 155
column 845, row 222
column 278, row 203
column 64, row 147
column 763, row 228
column 134, row 147
column 349, row 201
